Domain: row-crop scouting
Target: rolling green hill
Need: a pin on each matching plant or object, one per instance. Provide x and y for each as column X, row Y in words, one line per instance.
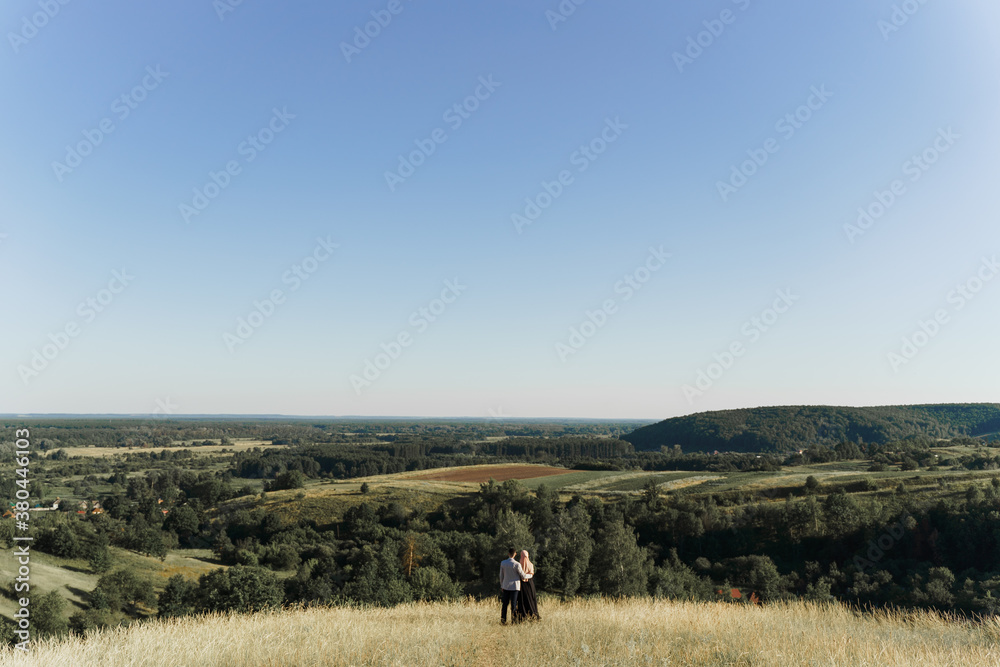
column 779, row 429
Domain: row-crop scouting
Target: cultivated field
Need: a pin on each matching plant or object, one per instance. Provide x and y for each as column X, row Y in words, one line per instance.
column 238, row 445
column 633, row 632
column 500, row 473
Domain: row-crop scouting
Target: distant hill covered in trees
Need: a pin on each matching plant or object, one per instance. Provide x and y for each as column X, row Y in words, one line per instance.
column 780, row 429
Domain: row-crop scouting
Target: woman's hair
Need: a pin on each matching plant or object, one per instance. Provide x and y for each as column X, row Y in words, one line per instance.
column 526, row 563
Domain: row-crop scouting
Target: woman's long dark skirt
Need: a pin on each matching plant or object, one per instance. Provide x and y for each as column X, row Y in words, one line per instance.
column 527, row 603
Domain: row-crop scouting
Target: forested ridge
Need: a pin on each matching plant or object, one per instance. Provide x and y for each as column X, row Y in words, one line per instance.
column 786, row 428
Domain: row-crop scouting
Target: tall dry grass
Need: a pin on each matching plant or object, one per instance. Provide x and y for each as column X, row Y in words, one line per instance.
column 633, row 632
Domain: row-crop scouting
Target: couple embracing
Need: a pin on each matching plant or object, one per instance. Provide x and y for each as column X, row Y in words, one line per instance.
column 517, row 588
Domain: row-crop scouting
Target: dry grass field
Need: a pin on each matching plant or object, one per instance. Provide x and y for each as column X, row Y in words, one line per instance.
column 634, row 632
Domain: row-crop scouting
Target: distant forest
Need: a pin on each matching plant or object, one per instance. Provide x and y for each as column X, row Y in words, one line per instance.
column 54, row 433
column 783, row 429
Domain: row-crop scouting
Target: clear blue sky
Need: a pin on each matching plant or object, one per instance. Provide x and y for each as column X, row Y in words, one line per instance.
column 670, row 130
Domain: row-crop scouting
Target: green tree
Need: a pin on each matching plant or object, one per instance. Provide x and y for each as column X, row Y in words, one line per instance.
column 756, row 574
column 811, row 485
column 122, row 590
column 570, row 549
column 291, row 479
column 7, row 631
column 843, row 513
column 512, row 530
column 677, row 581
column 100, row 560
column 182, row 520
column 620, row 566
column 430, row 583
column 240, row 588
column 47, row 615
column 178, row 598
column 61, row 541
column 378, row 578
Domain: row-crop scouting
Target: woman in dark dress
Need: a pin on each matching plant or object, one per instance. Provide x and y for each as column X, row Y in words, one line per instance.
column 527, row 601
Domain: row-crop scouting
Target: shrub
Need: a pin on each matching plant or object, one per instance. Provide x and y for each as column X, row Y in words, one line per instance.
column 120, row 589
column 47, row 615
column 240, row 588
column 178, row 598
column 430, row 583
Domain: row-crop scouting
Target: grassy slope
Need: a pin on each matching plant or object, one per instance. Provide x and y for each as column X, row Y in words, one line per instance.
column 578, row 633
column 74, row 579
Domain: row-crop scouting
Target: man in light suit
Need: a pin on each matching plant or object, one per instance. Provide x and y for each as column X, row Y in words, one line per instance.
column 510, row 585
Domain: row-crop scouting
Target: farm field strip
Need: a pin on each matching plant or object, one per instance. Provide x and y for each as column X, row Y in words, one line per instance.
column 481, row 474
column 237, row 445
